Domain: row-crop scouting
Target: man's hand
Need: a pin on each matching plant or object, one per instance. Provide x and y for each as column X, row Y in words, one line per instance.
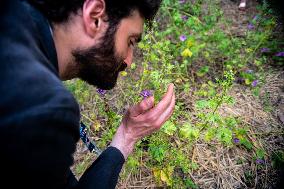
column 143, row 119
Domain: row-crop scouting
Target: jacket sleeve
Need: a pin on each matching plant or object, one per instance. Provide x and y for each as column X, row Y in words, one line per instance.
column 104, row 172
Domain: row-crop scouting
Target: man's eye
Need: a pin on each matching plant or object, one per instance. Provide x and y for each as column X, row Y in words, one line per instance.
column 131, row 43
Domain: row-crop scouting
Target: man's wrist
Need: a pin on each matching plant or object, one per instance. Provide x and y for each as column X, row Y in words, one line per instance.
column 123, row 143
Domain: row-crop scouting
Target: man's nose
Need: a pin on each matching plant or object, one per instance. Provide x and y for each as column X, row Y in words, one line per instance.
column 129, row 58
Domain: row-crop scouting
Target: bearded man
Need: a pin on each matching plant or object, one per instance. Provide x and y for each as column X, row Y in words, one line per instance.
column 45, row 41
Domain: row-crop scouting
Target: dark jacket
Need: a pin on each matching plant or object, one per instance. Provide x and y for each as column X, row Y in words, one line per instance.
column 39, row 118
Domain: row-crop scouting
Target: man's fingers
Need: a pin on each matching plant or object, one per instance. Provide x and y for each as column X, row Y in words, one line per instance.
column 142, row 107
column 167, row 114
column 165, row 102
column 156, row 125
column 162, row 105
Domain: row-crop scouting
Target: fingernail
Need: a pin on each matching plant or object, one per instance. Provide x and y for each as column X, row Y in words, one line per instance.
column 173, row 86
column 150, row 101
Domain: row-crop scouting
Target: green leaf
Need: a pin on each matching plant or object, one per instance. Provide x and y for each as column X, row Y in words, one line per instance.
column 187, row 131
column 202, row 104
column 158, row 152
column 278, row 160
column 225, row 135
column 231, row 122
column 190, row 184
column 132, row 162
column 210, row 134
column 202, row 71
column 260, row 153
column 169, row 128
column 247, row 144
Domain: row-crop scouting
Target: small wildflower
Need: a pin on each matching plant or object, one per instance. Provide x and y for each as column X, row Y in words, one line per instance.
column 186, row 53
column 146, row 93
column 259, row 161
column 250, row 26
column 249, row 71
column 264, row 50
column 280, row 54
column 254, row 83
column 236, row 140
column 184, row 17
column 181, row 1
column 182, row 38
column 101, row 92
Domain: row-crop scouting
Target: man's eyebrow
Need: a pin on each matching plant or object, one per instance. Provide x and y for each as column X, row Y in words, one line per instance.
column 138, row 37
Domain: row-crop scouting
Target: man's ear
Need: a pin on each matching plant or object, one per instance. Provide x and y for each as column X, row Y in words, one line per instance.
column 93, row 14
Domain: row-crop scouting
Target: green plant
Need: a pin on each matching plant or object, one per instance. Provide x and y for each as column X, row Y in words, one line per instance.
column 188, row 47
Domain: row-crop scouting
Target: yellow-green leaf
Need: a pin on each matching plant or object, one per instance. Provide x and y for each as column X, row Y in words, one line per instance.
column 123, row 73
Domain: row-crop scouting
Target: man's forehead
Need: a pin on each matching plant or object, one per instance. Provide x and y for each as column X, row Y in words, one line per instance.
column 134, row 23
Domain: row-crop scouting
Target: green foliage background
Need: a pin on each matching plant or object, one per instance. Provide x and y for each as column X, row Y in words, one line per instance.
column 203, row 67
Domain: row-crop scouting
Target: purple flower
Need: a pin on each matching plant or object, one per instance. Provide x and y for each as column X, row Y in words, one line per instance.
column 146, row 93
column 182, row 38
column 264, row 50
column 250, row 26
column 184, row 17
column 249, row 71
column 101, row 91
column 254, row 83
column 236, row 140
column 181, row 1
column 280, row 54
column 259, row 161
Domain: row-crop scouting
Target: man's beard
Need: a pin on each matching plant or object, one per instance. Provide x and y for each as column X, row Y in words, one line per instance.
column 100, row 65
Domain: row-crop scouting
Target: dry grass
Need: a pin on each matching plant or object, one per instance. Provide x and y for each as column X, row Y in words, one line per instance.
column 224, row 167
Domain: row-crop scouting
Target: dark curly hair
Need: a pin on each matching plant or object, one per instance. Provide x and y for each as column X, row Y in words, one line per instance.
column 59, row 11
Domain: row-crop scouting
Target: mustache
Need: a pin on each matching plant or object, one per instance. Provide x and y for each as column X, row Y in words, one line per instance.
column 122, row 66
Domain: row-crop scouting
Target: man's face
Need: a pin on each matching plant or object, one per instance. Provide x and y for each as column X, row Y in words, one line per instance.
column 100, row 64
